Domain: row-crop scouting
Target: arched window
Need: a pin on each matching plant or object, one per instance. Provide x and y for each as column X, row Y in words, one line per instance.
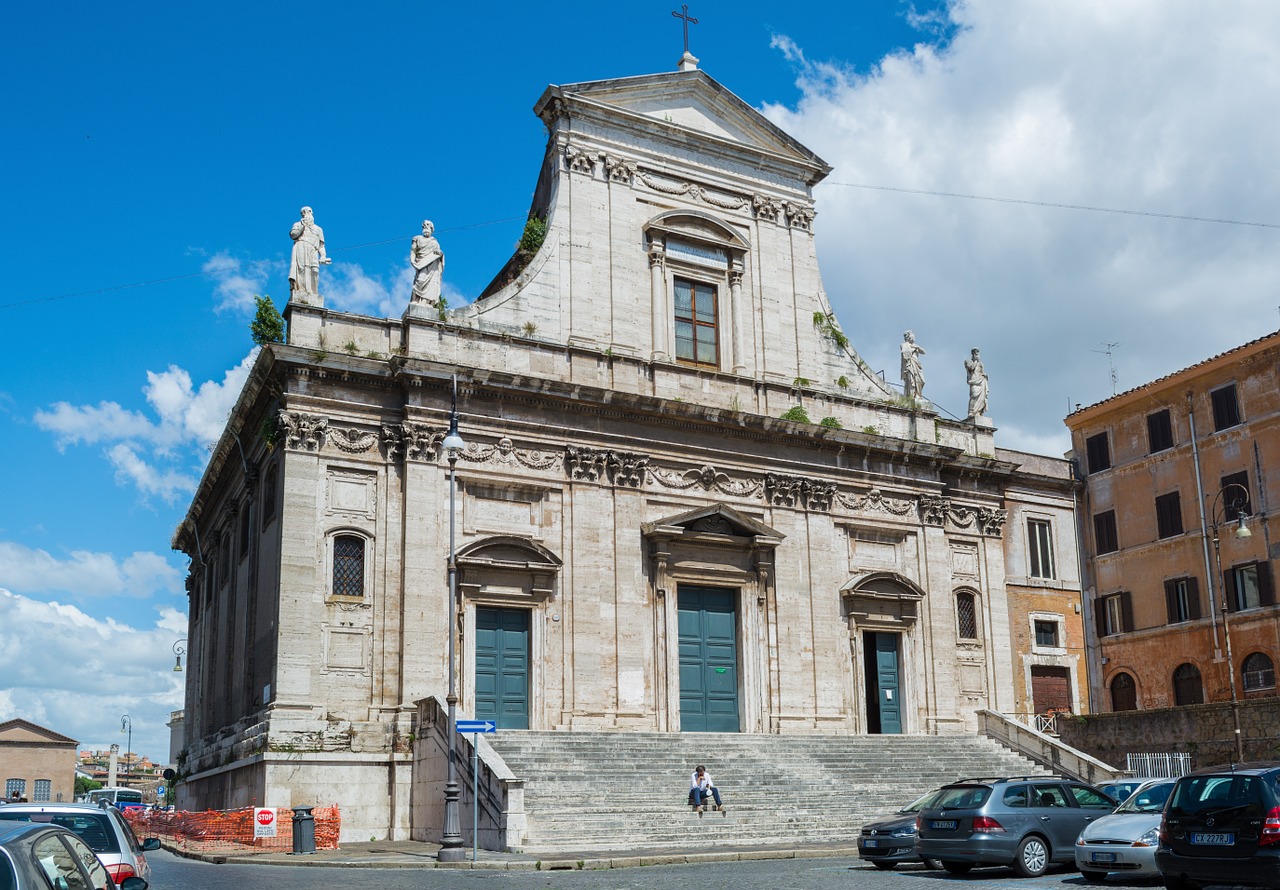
column 1187, row 688
column 246, row 527
column 348, row 565
column 966, row 615
column 1124, row 694
column 1259, row 672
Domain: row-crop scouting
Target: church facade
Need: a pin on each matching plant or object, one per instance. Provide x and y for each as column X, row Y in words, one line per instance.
column 684, row 503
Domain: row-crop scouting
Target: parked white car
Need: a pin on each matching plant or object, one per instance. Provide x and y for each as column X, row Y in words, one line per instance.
column 1125, row 841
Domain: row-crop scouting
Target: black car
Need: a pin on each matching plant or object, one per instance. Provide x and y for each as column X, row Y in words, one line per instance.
column 1222, row 826
column 35, row 856
column 1025, row 822
column 888, row 841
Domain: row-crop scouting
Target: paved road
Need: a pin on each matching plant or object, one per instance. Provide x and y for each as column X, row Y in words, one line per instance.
column 174, row 873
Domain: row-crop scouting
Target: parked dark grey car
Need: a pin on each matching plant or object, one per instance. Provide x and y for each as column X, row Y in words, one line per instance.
column 1222, row 826
column 1025, row 822
column 886, row 842
column 35, row 856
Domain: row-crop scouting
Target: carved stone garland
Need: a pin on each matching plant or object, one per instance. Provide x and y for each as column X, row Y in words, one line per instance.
column 505, row 452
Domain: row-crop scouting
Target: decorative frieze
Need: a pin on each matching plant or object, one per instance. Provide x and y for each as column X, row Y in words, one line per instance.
column 766, row 208
column 352, row 440
column 709, row 478
column 693, row 190
column 799, row 216
column 627, row 469
column 793, row 491
column 938, row 511
column 623, row 468
column 619, row 169
column 505, row 452
column 874, row 501
column 584, row 464
column 302, row 431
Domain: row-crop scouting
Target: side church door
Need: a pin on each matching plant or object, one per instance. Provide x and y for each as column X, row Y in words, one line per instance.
column 708, row 659
column 502, row 667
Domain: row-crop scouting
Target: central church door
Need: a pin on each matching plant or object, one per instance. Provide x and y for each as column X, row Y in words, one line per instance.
column 708, row 659
column 884, row 702
column 502, row 667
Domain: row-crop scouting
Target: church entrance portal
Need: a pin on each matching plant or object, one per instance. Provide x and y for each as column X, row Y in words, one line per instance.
column 881, row 669
column 708, row 659
column 502, row 667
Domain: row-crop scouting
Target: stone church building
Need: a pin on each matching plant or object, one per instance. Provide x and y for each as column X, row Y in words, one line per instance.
column 644, row 543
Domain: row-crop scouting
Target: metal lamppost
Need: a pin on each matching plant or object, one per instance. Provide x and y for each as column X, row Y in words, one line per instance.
column 1241, row 531
column 451, row 840
column 127, row 722
column 178, row 651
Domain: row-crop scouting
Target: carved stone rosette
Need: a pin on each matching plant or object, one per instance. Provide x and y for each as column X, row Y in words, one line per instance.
column 302, row 431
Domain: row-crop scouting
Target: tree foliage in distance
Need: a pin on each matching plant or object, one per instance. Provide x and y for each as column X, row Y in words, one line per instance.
column 84, row 785
column 267, row 325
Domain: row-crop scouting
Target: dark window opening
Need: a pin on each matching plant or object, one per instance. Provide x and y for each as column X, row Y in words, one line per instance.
column 1099, row 453
column 1160, row 431
column 1182, row 599
column 967, row 616
column 1104, row 532
column 1258, row 672
column 269, row 495
column 1115, row 614
column 1226, row 410
column 1169, row 514
column 1047, row 634
column 1040, row 540
column 1187, row 688
column 1249, row 586
column 348, row 566
column 1124, row 694
column 1235, row 500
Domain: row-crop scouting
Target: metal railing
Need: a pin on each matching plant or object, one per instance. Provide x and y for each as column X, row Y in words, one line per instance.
column 1158, row 765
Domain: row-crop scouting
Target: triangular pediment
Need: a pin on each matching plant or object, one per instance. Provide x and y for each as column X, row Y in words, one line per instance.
column 714, row 519
column 690, row 101
column 25, row 732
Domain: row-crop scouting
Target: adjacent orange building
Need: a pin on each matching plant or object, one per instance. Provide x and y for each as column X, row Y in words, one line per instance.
column 1176, row 526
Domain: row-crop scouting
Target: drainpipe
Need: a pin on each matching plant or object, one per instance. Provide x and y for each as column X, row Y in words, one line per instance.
column 1204, row 531
column 1091, row 641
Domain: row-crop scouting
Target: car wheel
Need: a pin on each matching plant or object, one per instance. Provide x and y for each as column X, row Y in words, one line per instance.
column 1173, row 882
column 882, row 864
column 1093, row 877
column 1033, row 857
column 957, row 868
column 932, row 863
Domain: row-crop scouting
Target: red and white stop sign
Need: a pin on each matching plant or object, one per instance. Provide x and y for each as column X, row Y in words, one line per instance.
column 264, row 822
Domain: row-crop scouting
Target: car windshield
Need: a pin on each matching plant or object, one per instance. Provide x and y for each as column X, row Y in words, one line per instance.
column 962, row 797
column 1147, row 799
column 1211, row 795
column 922, row 802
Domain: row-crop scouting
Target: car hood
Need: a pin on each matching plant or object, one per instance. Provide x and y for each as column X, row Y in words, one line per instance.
column 1121, row 826
column 891, row 823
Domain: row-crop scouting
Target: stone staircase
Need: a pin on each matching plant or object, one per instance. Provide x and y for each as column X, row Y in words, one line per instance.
column 599, row 791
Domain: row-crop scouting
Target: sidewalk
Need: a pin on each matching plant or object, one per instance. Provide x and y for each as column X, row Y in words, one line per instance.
column 419, row 854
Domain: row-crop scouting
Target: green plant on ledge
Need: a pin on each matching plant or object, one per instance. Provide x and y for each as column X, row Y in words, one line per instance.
column 800, row 382
column 442, row 310
column 529, row 328
column 871, row 430
column 842, row 382
column 267, row 325
column 352, row 348
column 831, row 423
column 797, row 414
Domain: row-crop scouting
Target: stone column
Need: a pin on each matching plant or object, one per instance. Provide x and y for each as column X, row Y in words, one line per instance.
column 658, row 289
column 738, row 310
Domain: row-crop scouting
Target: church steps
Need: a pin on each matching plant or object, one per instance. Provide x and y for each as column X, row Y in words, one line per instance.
column 613, row 791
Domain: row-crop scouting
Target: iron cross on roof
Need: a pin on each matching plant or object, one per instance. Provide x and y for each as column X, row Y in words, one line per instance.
column 688, row 20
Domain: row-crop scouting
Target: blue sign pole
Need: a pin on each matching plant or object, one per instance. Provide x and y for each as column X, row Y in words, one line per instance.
column 475, row 727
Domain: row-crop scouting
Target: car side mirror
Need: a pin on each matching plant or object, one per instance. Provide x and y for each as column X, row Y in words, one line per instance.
column 151, row 843
column 134, row 883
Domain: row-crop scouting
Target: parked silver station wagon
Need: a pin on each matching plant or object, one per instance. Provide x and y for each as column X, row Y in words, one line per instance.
column 1025, row 822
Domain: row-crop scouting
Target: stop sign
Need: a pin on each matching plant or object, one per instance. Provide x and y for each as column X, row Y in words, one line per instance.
column 266, row 817
column 264, row 822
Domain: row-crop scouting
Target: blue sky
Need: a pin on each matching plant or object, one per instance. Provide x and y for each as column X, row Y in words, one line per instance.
column 156, row 156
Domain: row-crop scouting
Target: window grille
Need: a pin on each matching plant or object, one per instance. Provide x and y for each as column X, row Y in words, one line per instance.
column 348, row 566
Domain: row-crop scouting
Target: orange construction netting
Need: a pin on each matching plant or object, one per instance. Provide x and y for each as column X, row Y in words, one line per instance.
column 230, row 829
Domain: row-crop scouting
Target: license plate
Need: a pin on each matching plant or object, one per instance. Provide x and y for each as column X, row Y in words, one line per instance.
column 943, row 823
column 1213, row 840
column 1104, row 857
column 871, row 842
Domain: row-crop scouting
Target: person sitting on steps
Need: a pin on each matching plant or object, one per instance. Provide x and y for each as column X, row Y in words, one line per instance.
column 700, row 788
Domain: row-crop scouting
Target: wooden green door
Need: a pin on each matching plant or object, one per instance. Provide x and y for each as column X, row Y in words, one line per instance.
column 502, row 667
column 708, row 629
column 884, row 699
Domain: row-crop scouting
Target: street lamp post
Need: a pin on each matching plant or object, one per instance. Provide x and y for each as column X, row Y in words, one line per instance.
column 179, row 650
column 451, row 840
column 1241, row 531
column 127, row 721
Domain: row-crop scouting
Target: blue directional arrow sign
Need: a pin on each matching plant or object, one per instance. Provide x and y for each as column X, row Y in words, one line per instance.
column 477, row 726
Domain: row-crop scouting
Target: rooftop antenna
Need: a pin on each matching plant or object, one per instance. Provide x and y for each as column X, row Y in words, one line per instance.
column 1111, row 362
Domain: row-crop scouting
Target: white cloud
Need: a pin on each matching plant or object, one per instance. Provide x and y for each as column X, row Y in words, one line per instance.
column 78, row 675
column 1142, row 105
column 347, row 287
column 160, row 456
column 238, row 281
column 87, row 574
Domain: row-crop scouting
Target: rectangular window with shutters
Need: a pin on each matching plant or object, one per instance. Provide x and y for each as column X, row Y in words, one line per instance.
column 1235, row 500
column 1169, row 514
column 1182, row 599
column 1159, row 431
column 1226, row 410
column 1098, row 451
column 697, row 338
column 1104, row 532
column 1115, row 614
column 1040, row 541
column 1249, row 586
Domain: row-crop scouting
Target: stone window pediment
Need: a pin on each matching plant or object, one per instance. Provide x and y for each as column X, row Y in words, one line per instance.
column 507, row 567
column 714, row 522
